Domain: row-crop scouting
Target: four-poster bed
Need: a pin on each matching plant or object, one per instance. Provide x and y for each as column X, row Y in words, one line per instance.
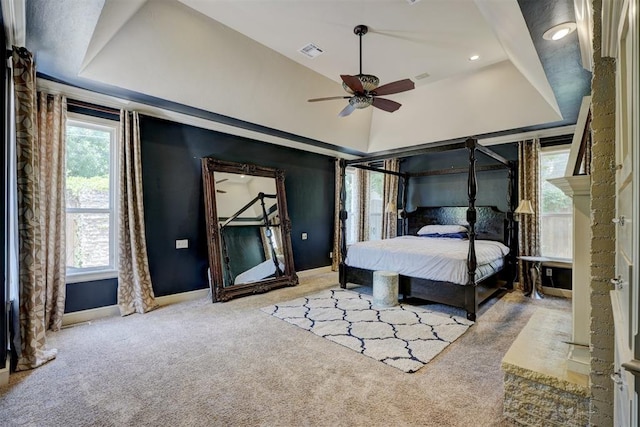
column 482, row 222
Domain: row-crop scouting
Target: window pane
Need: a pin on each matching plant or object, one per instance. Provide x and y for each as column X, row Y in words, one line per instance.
column 376, row 186
column 350, row 207
column 88, row 163
column 555, row 208
column 87, row 240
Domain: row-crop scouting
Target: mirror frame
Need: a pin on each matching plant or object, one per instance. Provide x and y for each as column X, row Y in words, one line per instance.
column 218, row 291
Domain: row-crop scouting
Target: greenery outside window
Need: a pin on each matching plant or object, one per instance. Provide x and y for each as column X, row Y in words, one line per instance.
column 376, row 210
column 350, row 205
column 556, row 208
column 91, row 198
column 375, row 202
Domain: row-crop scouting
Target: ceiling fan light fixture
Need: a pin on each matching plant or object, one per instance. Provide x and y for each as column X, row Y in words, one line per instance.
column 369, row 83
column 364, row 87
column 559, row 31
column 361, row 101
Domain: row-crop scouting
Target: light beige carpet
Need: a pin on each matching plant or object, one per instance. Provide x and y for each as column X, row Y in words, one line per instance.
column 404, row 336
column 229, row 364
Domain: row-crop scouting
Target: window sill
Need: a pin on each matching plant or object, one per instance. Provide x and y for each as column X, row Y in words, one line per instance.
column 92, row 276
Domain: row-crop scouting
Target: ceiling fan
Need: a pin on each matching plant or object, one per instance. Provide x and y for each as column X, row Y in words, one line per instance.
column 220, row 181
column 364, row 89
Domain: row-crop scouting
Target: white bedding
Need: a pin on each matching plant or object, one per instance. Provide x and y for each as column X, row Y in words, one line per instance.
column 259, row 272
column 439, row 259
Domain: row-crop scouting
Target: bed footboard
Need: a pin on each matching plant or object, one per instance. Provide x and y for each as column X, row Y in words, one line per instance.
column 461, row 296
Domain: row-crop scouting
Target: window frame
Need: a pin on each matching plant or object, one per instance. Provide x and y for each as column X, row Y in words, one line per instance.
column 88, row 274
column 550, row 150
column 352, row 209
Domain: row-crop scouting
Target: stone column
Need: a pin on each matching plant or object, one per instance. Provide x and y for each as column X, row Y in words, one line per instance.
column 602, row 229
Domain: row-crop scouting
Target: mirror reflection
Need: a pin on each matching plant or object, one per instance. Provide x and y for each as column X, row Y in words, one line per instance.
column 250, row 229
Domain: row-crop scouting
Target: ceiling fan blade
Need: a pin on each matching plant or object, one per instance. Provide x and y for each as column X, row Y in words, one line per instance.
column 346, row 110
column 328, row 98
column 221, row 191
column 353, row 82
column 386, row 104
column 395, row 87
column 222, row 180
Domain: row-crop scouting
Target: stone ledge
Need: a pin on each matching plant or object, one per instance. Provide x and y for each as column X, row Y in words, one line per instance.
column 538, row 386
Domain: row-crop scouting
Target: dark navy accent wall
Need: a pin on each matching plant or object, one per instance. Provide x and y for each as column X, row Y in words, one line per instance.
column 174, row 205
column 451, row 190
column 244, row 246
column 87, row 295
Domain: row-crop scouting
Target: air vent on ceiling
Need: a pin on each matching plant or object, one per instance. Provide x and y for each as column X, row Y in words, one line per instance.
column 311, row 51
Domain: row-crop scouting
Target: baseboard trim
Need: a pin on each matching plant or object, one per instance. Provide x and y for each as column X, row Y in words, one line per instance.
column 182, row 296
column 83, row 316
column 4, row 375
column 557, row 292
column 314, row 271
column 70, row 319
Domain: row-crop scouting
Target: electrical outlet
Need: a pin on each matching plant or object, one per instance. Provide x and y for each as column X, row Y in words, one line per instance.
column 304, row 236
column 182, row 244
column 330, row 255
column 548, row 272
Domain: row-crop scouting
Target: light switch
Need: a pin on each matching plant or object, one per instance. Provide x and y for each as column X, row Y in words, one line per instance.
column 304, row 236
column 182, row 244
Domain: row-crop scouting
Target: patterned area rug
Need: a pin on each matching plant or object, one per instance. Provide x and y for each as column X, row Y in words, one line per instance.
column 405, row 337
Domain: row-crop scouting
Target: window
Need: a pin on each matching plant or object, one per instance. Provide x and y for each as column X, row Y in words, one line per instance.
column 91, row 189
column 376, row 188
column 556, row 217
column 350, row 205
column 375, row 202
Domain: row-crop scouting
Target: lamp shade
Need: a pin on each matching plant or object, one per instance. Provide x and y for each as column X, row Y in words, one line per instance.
column 524, row 207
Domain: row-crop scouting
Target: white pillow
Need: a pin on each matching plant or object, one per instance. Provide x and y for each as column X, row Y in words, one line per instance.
column 441, row 229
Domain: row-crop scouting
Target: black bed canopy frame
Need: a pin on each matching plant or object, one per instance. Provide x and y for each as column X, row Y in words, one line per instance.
column 269, row 233
column 472, row 146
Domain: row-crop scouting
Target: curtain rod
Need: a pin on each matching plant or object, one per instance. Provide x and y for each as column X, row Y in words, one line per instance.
column 94, row 107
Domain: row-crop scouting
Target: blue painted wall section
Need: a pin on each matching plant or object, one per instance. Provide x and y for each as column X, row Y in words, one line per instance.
column 451, row 190
column 174, row 205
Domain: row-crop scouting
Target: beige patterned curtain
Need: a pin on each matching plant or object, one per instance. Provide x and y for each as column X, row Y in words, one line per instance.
column 390, row 200
column 335, row 261
column 362, row 196
column 529, row 189
column 52, row 111
column 40, row 200
column 135, row 291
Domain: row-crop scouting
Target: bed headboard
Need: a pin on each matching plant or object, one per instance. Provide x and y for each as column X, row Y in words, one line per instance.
column 491, row 223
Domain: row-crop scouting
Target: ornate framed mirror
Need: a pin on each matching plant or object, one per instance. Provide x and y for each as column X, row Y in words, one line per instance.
column 248, row 229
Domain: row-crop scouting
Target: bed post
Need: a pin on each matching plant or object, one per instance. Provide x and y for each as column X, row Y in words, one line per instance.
column 403, row 216
column 342, row 270
column 471, row 302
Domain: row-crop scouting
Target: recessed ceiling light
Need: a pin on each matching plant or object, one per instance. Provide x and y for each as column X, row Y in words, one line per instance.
column 559, row 31
column 474, row 57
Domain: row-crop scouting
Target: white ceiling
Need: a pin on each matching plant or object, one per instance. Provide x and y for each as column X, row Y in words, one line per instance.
column 239, row 58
